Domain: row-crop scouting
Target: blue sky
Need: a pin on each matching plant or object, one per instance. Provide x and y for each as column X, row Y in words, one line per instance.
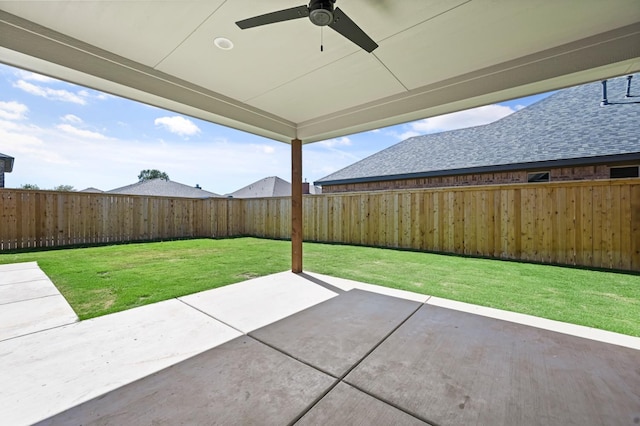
column 64, row 134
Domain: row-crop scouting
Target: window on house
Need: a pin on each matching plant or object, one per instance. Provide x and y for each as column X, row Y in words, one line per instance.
column 623, row 172
column 538, row 177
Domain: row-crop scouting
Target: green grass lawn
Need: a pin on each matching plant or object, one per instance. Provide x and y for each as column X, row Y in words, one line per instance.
column 101, row 280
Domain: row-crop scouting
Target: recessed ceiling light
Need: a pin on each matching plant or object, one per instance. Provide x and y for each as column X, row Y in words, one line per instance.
column 223, row 43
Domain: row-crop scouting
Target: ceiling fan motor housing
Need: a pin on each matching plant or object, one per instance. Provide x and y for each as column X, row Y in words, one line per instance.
column 321, row 12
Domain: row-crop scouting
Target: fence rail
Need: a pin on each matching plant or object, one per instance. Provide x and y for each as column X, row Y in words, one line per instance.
column 594, row 224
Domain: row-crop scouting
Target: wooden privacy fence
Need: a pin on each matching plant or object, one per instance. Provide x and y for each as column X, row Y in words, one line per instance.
column 594, row 223
column 33, row 219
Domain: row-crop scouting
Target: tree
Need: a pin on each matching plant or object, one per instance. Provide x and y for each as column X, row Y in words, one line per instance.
column 30, row 186
column 64, row 188
column 149, row 174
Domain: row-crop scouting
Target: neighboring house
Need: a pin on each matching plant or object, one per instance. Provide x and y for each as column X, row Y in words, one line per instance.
column 566, row 136
column 92, row 190
column 271, row 186
column 163, row 188
column 6, row 166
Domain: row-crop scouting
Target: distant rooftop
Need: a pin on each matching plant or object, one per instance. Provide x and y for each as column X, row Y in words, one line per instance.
column 567, row 127
column 271, row 186
column 163, row 188
column 92, row 190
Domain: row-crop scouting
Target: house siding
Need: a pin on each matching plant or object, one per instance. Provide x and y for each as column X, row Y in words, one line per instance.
column 559, row 174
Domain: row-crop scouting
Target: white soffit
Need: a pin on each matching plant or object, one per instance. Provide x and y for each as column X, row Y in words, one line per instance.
column 434, row 57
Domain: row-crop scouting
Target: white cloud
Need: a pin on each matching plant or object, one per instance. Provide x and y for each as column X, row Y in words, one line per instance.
column 318, row 163
column 25, row 144
column 93, row 94
column 71, row 118
column 266, row 149
column 13, row 110
column 332, row 143
column 178, row 125
column 458, row 120
column 48, row 93
column 68, row 128
column 9, row 125
column 31, row 76
column 219, row 165
column 409, row 134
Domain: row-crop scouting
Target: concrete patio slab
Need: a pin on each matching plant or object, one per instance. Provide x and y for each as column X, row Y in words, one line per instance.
column 46, row 372
column 21, row 272
column 346, row 285
column 334, row 335
column 546, row 324
column 30, row 302
column 405, row 361
column 252, row 304
column 241, row 382
column 450, row 367
column 345, row 405
column 30, row 316
column 10, row 293
column 18, row 266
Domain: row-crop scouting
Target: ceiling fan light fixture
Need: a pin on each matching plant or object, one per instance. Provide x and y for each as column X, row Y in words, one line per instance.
column 321, row 12
column 223, row 43
column 321, row 17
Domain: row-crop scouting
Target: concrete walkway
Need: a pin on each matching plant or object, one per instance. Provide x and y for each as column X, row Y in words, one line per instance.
column 29, row 301
column 310, row 349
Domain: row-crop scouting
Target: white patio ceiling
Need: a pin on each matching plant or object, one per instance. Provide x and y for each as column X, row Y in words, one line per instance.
column 434, row 56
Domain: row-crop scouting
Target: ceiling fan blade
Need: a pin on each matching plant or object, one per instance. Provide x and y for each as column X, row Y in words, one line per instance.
column 345, row 26
column 273, row 17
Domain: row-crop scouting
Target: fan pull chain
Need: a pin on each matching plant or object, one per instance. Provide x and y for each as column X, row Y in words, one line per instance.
column 322, row 39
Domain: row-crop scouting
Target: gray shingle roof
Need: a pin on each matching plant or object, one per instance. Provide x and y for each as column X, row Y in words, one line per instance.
column 163, row 188
column 93, row 190
column 271, row 186
column 8, row 162
column 569, row 126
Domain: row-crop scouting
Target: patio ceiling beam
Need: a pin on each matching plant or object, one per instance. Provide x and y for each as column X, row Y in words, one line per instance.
column 296, row 206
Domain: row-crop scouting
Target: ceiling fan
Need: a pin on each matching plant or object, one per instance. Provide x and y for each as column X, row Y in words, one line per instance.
column 321, row 13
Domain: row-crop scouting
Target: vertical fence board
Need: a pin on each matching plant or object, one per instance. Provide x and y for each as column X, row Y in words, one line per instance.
column 527, row 223
column 586, row 202
column 468, row 222
column 635, row 227
column 597, row 226
column 497, row 224
column 625, row 224
column 560, row 232
column 615, row 236
column 437, row 208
